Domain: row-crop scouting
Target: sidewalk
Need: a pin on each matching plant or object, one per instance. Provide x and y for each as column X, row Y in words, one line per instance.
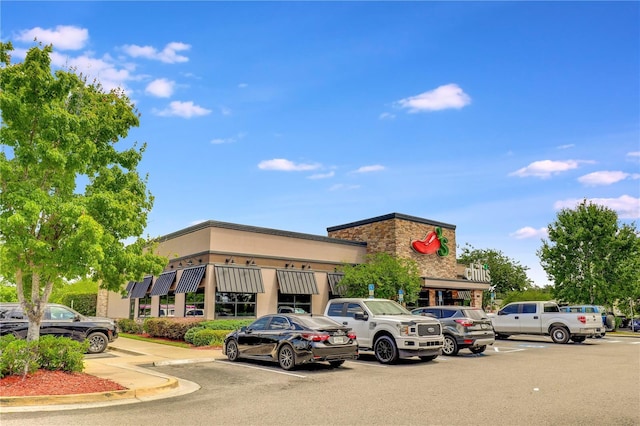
column 123, row 363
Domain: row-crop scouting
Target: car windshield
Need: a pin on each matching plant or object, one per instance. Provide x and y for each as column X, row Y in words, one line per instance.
column 385, row 307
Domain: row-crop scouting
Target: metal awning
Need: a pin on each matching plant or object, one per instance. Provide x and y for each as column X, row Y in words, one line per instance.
column 140, row 289
column 296, row 282
column 190, row 279
column 130, row 286
column 334, row 283
column 163, row 283
column 238, row 279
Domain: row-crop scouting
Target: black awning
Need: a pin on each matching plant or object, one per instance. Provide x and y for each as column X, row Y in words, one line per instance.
column 190, row 279
column 130, row 286
column 296, row 282
column 163, row 283
column 238, row 279
column 334, row 283
column 140, row 289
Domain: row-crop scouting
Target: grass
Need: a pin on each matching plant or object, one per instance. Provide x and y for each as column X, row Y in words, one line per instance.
column 177, row 343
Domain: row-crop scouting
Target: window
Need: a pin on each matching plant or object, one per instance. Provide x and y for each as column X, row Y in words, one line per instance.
column 511, row 309
column 260, row 324
column 144, row 306
column 194, row 303
column 353, row 309
column 423, row 297
column 335, row 310
column 529, row 308
column 302, row 301
column 167, row 305
column 235, row 304
column 448, row 313
column 58, row 313
column 435, row 312
column 279, row 323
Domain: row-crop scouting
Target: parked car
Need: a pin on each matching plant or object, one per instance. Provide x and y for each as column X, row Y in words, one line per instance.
column 61, row 321
column 290, row 310
column 194, row 313
column 292, row 340
column 634, row 324
column 590, row 309
column 463, row 327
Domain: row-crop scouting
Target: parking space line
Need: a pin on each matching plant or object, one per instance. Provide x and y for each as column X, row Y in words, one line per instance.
column 370, row 364
column 262, row 368
column 506, row 350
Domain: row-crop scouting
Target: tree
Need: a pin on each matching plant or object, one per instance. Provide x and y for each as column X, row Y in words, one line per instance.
column 506, row 274
column 534, row 293
column 69, row 200
column 590, row 258
column 387, row 273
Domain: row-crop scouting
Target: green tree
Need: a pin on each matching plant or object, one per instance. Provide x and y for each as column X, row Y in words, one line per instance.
column 69, row 200
column 590, row 257
column 387, row 273
column 534, row 293
column 506, row 274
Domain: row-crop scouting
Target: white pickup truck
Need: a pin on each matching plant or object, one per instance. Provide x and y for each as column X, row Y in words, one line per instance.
column 545, row 318
column 387, row 329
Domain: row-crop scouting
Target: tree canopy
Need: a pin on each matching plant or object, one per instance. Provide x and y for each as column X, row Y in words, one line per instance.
column 506, row 274
column 69, row 200
column 590, row 257
column 387, row 273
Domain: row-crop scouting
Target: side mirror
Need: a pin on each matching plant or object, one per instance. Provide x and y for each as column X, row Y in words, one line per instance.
column 76, row 318
column 362, row 316
column 501, row 313
column 245, row 329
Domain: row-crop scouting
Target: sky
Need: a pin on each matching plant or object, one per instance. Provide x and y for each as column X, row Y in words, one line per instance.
column 299, row 116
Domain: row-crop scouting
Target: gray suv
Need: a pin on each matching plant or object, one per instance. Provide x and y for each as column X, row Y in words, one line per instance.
column 462, row 326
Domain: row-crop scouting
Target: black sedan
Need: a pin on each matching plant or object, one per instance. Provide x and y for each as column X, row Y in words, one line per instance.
column 292, row 340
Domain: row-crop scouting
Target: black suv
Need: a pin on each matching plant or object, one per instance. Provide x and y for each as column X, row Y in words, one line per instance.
column 462, row 327
column 62, row 321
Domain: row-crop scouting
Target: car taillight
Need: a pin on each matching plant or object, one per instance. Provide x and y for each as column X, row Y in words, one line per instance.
column 582, row 319
column 351, row 336
column 464, row 322
column 315, row 337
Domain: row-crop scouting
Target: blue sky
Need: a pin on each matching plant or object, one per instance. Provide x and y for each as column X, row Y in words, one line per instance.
column 299, row 116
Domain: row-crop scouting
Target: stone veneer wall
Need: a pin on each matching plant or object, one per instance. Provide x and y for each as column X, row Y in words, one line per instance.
column 394, row 236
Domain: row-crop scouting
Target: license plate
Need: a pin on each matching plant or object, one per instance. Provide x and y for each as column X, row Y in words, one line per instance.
column 339, row 339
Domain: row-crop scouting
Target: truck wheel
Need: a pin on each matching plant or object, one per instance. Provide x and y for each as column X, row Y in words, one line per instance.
column 97, row 342
column 450, row 346
column 336, row 364
column 559, row 335
column 578, row 339
column 385, row 350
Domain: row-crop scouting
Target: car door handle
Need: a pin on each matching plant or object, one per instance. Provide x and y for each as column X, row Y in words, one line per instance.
column 345, row 323
column 517, row 317
column 535, row 317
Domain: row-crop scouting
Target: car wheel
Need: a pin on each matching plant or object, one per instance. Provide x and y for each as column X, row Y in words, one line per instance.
column 385, row 350
column 336, row 364
column 578, row 339
column 450, row 346
column 559, row 335
column 97, row 342
column 232, row 350
column 428, row 358
column 286, row 357
column 502, row 336
column 478, row 349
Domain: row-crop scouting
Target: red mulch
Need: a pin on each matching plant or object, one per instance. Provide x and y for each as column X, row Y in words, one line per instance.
column 44, row 382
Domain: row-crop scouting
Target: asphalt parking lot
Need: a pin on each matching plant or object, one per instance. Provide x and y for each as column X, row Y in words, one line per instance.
column 520, row 381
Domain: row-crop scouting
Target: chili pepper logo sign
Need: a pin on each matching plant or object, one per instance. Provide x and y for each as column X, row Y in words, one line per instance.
column 433, row 242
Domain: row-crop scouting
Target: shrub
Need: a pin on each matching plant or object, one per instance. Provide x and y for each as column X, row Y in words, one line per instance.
column 16, row 355
column 226, row 324
column 126, row 325
column 60, row 353
column 209, row 337
column 188, row 336
column 169, row 328
column 84, row 303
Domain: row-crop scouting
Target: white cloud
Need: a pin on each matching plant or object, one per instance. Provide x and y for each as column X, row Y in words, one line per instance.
column 626, row 206
column 343, row 187
column 242, row 85
column 63, row 37
column 183, row 109
column 443, row 97
column 102, row 69
column 546, row 168
column 220, row 141
column 567, row 146
column 604, row 178
column 386, row 116
column 161, row 88
column 322, row 175
column 284, row 165
column 167, row 55
column 633, row 156
column 529, row 232
column 369, row 169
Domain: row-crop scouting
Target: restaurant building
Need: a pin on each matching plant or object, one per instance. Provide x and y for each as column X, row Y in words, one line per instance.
column 227, row 270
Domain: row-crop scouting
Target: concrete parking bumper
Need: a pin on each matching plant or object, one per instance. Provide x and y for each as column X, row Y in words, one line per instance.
column 122, row 363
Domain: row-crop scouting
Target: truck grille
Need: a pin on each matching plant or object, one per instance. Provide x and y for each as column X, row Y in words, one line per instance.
column 428, row 329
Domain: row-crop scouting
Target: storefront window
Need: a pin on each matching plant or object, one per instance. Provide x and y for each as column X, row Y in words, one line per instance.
column 235, row 304
column 423, row 298
column 167, row 305
column 194, row 303
column 299, row 301
column 144, row 306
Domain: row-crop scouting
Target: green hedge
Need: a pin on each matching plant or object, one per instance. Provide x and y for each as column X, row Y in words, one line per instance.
column 126, row 325
column 209, row 337
column 48, row 352
column 169, row 328
column 84, row 303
